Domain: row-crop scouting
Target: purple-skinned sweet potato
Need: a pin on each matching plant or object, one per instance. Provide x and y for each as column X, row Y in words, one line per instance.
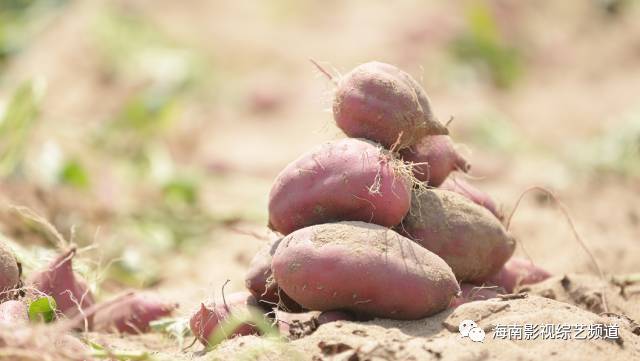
column 433, row 158
column 9, row 271
column 363, row 268
column 382, row 103
column 133, row 314
column 13, row 313
column 467, row 236
column 518, row 272
column 342, row 180
column 259, row 281
column 69, row 290
column 333, row 316
column 472, row 193
column 209, row 318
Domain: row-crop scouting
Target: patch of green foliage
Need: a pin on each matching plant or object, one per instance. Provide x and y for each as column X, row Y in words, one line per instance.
column 42, row 309
column 483, row 46
column 15, row 127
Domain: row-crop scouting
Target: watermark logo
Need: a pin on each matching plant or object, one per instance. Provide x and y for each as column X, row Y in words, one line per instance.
column 470, row 329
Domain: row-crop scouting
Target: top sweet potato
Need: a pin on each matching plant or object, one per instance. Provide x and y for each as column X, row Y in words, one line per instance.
column 343, row 180
column 380, row 102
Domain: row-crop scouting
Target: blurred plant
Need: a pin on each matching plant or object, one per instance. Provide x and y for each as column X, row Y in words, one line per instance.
column 138, row 49
column 493, row 131
column 74, row 174
column 613, row 7
column 15, row 126
column 617, row 151
column 483, row 46
column 18, row 22
column 177, row 328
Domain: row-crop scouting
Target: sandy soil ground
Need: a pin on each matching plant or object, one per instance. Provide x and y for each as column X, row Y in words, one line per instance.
column 580, row 84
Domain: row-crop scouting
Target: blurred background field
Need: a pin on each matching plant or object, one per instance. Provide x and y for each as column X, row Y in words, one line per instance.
column 149, row 131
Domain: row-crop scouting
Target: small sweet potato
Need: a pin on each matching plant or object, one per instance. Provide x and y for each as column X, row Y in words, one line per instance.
column 472, row 293
column 259, row 281
column 363, row 268
column 433, row 158
column 467, row 236
column 9, row 271
column 517, row 272
column 343, row 180
column 133, row 314
column 206, row 321
column 333, row 316
column 382, row 103
column 472, row 193
column 12, row 313
column 69, row 290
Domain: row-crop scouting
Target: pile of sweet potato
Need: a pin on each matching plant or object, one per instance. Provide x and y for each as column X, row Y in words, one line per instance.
column 372, row 225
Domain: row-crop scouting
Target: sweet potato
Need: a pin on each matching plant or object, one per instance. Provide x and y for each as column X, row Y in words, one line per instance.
column 467, row 236
column 9, row 271
column 517, row 272
column 343, row 180
column 12, row 313
column 259, row 281
column 68, row 289
column 209, row 318
column 363, row 268
column 472, row 193
column 333, row 316
column 382, row 103
column 133, row 314
column 433, row 158
column 472, row 293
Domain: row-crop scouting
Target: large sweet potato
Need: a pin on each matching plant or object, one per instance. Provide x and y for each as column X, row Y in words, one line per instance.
column 363, row 268
column 380, row 102
column 433, row 158
column 467, row 236
column 343, row 180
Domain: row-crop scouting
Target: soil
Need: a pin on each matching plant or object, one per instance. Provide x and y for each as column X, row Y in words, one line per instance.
column 578, row 86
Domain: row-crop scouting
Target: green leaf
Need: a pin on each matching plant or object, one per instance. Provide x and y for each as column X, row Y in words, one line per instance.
column 15, row 126
column 177, row 328
column 74, row 174
column 43, row 309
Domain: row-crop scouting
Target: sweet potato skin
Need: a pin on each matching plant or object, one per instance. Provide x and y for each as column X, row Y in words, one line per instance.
column 434, row 158
column 343, row 180
column 474, row 194
column 362, row 268
column 467, row 236
column 518, row 272
column 380, row 102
